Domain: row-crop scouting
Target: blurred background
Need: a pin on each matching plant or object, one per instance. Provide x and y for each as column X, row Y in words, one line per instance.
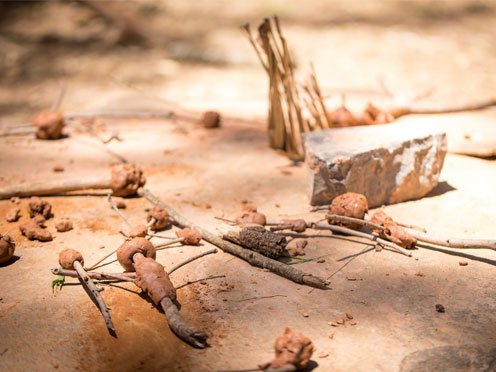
column 195, row 54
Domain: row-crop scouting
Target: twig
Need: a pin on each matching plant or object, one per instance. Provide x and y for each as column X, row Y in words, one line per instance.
column 109, row 199
column 355, row 220
column 372, row 237
column 88, row 282
column 200, row 280
column 191, row 259
column 128, row 277
column 157, row 247
column 454, row 243
column 252, row 257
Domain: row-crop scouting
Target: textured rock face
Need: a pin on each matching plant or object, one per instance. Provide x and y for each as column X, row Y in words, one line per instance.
column 387, row 163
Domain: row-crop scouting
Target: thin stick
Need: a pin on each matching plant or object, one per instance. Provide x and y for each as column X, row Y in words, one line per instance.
column 372, row 237
column 128, row 277
column 191, row 259
column 109, row 199
column 54, row 187
column 423, row 237
column 88, row 282
column 355, row 220
column 453, row 243
column 250, row 256
column 199, row 280
column 157, row 247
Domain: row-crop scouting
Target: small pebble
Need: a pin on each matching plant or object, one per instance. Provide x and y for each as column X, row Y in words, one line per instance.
column 305, row 315
column 440, row 308
column 322, row 260
column 58, row 168
column 463, row 263
column 331, row 336
column 352, row 322
column 349, row 316
column 340, row 321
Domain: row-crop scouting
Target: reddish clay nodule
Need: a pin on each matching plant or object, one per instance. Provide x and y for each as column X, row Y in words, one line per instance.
column 139, row 231
column 211, row 120
column 67, row 258
column 37, row 206
column 298, row 225
column 251, row 217
column 49, row 124
column 373, row 115
column 64, row 224
column 296, row 247
column 152, row 278
column 126, row 179
column 127, row 250
column 292, row 349
column 392, row 231
column 349, row 205
column 13, row 214
column 161, row 216
column 7, row 248
column 191, row 237
column 342, row 117
column 35, row 229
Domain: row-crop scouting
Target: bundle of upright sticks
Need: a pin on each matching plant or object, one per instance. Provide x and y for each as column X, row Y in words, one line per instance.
column 293, row 109
column 299, row 107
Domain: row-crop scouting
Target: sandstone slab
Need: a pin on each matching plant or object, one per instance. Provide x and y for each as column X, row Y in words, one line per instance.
column 387, row 163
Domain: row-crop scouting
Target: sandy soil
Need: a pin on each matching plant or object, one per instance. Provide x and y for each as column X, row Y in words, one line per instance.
column 208, row 173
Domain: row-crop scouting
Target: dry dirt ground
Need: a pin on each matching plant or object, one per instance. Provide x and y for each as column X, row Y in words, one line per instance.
column 208, row 173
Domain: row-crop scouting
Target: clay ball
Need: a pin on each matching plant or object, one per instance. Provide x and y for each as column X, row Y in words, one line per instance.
column 13, row 214
column 291, row 349
column 132, row 246
column 251, row 218
column 7, row 248
column 35, row 229
column 191, row 237
column 342, row 117
column 349, row 204
column 296, row 247
column 126, row 179
column 210, row 119
column 138, row 231
column 63, row 224
column 49, row 124
column 161, row 216
column 38, row 206
column 68, row 256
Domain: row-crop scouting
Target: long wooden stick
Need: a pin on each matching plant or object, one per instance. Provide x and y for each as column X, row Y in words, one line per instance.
column 423, row 237
column 250, row 256
column 128, row 277
column 88, row 282
column 54, row 187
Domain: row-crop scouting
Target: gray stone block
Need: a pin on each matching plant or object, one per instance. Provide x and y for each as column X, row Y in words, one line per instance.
column 387, row 163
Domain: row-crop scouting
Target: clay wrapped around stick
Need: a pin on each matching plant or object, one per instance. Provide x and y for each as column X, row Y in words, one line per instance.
column 251, row 217
column 126, row 179
column 49, row 124
column 38, row 206
column 7, row 248
column 298, row 225
column 131, row 246
column 392, row 231
column 34, row 230
column 152, row 278
column 349, row 204
column 292, row 349
column 68, row 256
column 161, row 216
column 191, row 237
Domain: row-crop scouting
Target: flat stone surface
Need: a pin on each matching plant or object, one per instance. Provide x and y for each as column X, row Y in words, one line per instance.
column 387, row 163
column 452, row 358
